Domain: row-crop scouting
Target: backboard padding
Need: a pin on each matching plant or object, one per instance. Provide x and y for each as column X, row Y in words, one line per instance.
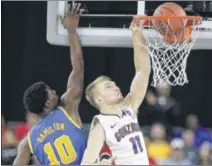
column 105, row 37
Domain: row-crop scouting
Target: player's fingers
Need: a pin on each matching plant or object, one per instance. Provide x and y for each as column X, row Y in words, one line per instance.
column 113, row 159
column 133, row 25
column 77, row 10
column 73, row 7
column 82, row 11
column 67, row 10
column 79, row 13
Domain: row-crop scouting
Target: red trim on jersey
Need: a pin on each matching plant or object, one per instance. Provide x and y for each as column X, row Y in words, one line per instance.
column 106, row 151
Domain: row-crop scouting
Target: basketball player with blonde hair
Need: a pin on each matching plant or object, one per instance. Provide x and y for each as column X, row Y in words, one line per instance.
column 117, row 124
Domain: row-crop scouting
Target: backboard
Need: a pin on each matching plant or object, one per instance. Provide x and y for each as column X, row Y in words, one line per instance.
column 106, row 24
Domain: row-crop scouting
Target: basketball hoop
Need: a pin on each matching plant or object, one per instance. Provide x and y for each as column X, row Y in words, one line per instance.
column 168, row 50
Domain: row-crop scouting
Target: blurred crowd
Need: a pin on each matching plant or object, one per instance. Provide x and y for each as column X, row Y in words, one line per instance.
column 187, row 146
column 167, row 143
column 11, row 136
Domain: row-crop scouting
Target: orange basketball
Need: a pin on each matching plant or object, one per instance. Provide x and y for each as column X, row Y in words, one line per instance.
column 174, row 26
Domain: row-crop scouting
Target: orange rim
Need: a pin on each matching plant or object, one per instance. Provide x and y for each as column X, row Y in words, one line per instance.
column 141, row 17
column 191, row 21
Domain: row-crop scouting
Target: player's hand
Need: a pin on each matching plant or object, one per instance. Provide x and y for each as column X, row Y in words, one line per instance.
column 136, row 31
column 110, row 161
column 134, row 26
column 71, row 19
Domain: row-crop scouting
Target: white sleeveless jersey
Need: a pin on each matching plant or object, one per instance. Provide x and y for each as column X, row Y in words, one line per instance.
column 124, row 138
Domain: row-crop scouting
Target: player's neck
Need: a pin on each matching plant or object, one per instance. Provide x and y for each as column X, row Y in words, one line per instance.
column 111, row 109
column 43, row 115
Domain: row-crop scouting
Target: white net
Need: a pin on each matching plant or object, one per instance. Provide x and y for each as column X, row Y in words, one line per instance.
column 169, row 51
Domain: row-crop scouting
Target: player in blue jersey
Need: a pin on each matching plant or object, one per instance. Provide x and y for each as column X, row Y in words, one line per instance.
column 57, row 139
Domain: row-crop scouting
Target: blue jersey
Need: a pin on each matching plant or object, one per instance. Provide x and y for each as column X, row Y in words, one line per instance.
column 57, row 140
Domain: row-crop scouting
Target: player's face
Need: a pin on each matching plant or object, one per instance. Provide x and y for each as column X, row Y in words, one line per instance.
column 52, row 98
column 110, row 93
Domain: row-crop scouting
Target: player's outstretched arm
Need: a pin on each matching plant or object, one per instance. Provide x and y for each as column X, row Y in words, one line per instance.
column 23, row 156
column 75, row 83
column 95, row 143
column 142, row 68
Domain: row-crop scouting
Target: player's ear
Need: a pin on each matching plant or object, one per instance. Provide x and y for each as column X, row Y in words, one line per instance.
column 98, row 100
column 47, row 104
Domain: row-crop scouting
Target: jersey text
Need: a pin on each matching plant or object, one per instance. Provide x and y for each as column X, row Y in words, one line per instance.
column 126, row 130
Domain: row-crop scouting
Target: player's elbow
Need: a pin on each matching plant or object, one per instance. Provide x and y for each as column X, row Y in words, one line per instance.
column 78, row 71
column 77, row 93
column 143, row 69
column 143, row 73
column 147, row 70
column 78, row 67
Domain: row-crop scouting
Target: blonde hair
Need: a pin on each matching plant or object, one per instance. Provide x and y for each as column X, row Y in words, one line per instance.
column 89, row 92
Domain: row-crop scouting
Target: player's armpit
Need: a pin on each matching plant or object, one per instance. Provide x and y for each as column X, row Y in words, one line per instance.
column 137, row 91
column 23, row 156
column 95, row 143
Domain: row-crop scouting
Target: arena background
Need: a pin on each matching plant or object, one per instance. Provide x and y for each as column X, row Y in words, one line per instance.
column 27, row 57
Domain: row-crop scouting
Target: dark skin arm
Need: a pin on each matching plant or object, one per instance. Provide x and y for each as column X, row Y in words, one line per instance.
column 72, row 97
column 23, row 156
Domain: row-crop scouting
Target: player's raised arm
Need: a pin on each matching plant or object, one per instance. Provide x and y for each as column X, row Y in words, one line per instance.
column 76, row 78
column 142, row 70
column 23, row 156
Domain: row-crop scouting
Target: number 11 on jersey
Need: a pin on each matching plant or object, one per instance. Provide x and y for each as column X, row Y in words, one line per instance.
column 136, row 144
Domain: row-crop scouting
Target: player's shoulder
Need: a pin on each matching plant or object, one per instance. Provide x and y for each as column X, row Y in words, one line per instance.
column 35, row 129
column 106, row 117
column 104, row 120
column 98, row 119
column 54, row 114
column 24, row 143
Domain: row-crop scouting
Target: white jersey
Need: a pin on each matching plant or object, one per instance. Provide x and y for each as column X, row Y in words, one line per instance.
column 124, row 138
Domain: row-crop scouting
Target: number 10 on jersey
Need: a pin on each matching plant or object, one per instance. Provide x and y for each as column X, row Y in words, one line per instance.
column 64, row 149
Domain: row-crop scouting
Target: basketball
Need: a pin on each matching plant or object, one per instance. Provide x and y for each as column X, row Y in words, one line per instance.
column 174, row 26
